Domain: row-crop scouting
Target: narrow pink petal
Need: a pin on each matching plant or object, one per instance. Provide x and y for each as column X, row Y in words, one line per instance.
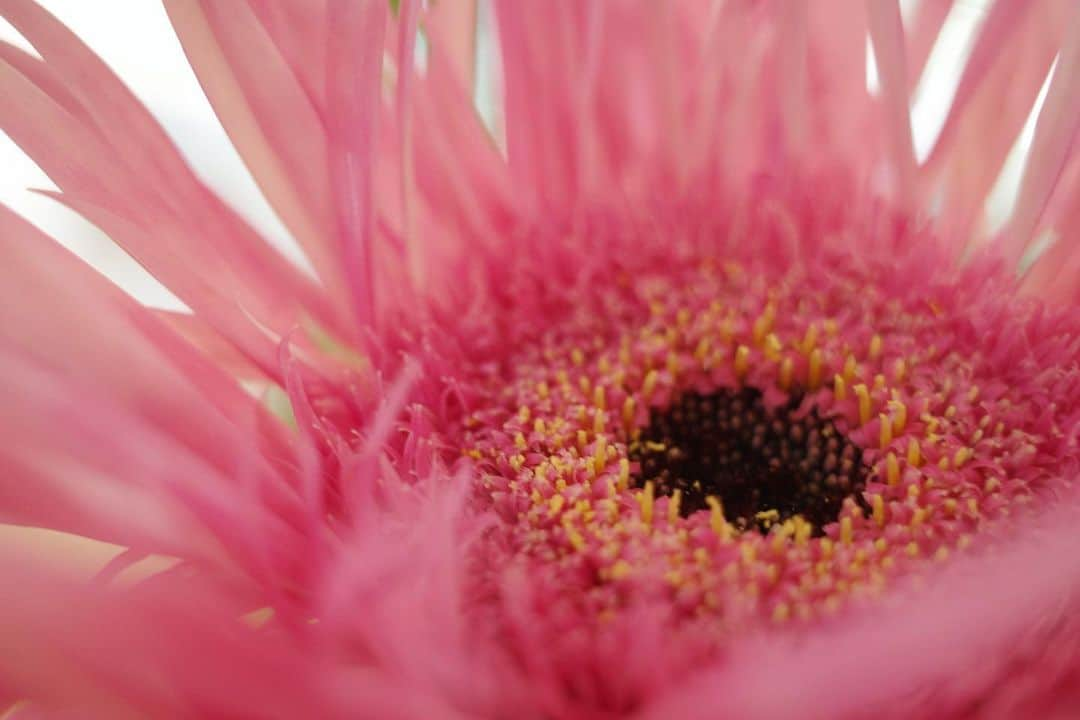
column 59, row 299
column 354, row 60
column 998, row 30
column 299, row 31
column 408, row 19
column 929, row 18
column 268, row 115
column 1055, row 131
column 887, row 34
column 453, row 28
column 794, row 31
column 964, row 174
column 92, row 652
column 123, row 155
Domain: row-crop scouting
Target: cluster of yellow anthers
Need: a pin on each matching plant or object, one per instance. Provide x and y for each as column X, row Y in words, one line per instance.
column 941, row 454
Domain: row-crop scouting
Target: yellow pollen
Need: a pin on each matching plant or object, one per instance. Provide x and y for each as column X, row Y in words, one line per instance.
column 884, row 431
column 942, row 554
column 803, row 530
column 682, row 317
column 850, row 368
column 673, row 363
column 539, row 426
column 628, row 408
column 787, row 369
column 899, row 415
column 943, row 463
column 573, row 535
column 619, row 569
column 748, row 553
column 813, row 379
column 624, row 473
column 913, row 490
column 523, row 413
column 962, row 456
column 781, row 612
column 576, row 356
column 742, row 361
column 584, row 384
column 878, row 505
column 603, row 365
column 582, row 440
column 599, row 397
column 763, row 324
column 702, row 349
column 914, row 453
column 899, row 369
column 864, row 403
column 826, row 548
column 839, row 388
column 879, row 381
column 846, row 531
column 991, row 484
column 810, row 338
column 646, row 498
column 519, row 441
column 773, row 346
column 555, row 505
column 599, row 421
column 875, row 347
column 973, row 393
column 673, row 506
column 831, row 327
column 542, row 389
column 649, row 384
column 950, row 412
column 600, row 453
column 918, row 517
column 716, row 518
column 912, row 548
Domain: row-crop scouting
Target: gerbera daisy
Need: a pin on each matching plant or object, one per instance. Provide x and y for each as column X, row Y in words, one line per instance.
column 678, row 387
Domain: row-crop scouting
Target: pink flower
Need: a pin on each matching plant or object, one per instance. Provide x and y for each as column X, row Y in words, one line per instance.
column 687, row 391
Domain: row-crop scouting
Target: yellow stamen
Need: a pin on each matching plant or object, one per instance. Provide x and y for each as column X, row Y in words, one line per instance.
column 846, row 531
column 742, row 361
column 914, row 453
column 810, row 338
column 899, row 415
column 813, row 379
column 787, row 369
column 850, row 368
column 892, row 469
column 624, row 473
column 646, row 498
column 763, row 324
column 875, row 347
column 884, row 430
column 673, row 507
column 717, row 522
column 649, row 384
column 878, row 505
column 628, row 408
column 863, row 395
column 899, row 369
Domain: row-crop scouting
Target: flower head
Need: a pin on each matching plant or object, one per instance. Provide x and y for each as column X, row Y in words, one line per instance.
column 682, row 389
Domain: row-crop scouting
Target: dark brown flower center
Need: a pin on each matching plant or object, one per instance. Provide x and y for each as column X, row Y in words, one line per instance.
column 764, row 465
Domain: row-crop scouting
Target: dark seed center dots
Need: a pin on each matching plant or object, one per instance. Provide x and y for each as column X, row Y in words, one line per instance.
column 755, row 447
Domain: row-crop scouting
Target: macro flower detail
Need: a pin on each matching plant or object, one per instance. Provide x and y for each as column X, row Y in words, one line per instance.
column 645, row 369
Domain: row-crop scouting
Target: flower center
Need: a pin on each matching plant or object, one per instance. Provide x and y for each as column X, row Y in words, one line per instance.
column 764, row 465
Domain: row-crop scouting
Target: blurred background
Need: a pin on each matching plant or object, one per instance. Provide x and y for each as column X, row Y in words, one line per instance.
column 134, row 37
